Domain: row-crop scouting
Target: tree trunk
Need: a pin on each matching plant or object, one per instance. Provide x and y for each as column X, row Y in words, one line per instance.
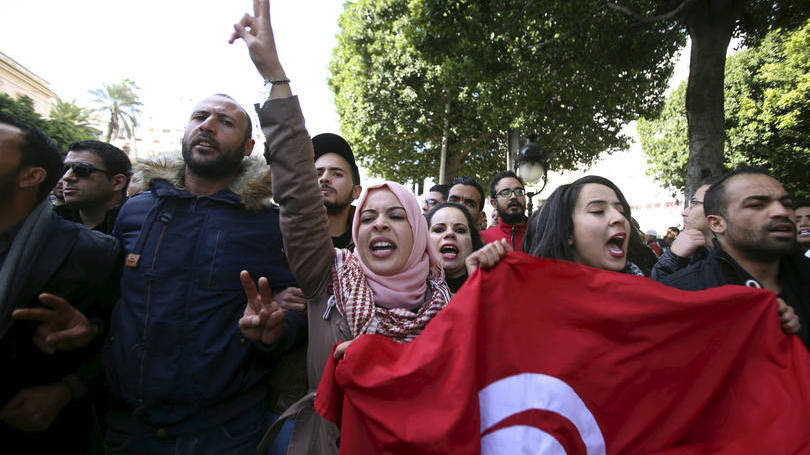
column 514, row 148
column 454, row 157
column 710, row 24
column 445, row 133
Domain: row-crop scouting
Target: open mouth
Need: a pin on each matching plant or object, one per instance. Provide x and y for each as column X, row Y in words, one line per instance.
column 615, row 245
column 448, row 251
column 804, row 232
column 382, row 248
column 206, row 144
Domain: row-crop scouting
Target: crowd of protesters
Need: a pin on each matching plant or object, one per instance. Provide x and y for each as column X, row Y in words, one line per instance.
column 188, row 304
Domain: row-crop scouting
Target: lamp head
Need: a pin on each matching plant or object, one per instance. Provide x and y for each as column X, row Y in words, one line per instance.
column 532, row 163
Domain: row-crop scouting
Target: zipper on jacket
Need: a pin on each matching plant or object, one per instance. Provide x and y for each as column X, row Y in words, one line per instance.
column 163, row 218
column 514, row 231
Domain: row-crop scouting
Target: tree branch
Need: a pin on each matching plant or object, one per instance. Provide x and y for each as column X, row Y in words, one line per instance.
column 517, row 17
column 649, row 19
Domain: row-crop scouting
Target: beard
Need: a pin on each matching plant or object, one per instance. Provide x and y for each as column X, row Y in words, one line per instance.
column 334, row 208
column 758, row 244
column 227, row 163
column 511, row 217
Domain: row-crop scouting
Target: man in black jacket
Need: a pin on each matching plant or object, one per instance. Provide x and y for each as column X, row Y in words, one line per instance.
column 50, row 352
column 749, row 214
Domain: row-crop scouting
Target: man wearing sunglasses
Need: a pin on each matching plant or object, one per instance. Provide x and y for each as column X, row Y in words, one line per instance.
column 95, row 182
column 57, row 286
column 508, row 198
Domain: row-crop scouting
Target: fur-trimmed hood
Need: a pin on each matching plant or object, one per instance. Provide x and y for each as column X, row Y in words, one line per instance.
column 252, row 184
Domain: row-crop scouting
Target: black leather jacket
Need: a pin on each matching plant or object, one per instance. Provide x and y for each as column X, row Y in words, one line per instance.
column 719, row 269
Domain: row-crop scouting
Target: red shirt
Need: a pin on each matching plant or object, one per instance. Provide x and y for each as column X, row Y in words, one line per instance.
column 513, row 233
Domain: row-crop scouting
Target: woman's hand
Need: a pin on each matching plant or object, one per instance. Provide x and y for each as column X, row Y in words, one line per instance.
column 340, row 350
column 488, row 256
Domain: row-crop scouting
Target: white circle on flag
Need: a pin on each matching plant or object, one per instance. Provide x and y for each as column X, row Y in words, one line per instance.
column 528, row 391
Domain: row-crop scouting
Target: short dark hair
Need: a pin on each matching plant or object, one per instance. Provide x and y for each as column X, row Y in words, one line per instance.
column 477, row 243
column 461, row 180
column 548, row 233
column 441, row 188
column 715, row 202
column 249, row 131
column 38, row 150
column 498, row 177
column 675, row 229
column 801, row 203
column 114, row 159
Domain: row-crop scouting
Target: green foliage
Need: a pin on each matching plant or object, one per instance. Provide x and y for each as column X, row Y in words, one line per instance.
column 63, row 129
column 71, row 113
column 120, row 102
column 767, row 106
column 567, row 71
column 664, row 141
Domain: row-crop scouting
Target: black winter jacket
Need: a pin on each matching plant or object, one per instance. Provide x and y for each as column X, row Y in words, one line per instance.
column 719, row 269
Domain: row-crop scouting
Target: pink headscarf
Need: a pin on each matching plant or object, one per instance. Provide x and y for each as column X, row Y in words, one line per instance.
column 406, row 288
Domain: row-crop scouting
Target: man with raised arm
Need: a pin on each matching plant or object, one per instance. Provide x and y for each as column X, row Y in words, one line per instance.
column 188, row 361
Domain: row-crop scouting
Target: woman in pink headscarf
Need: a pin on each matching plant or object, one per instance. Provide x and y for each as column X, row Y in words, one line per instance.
column 393, row 283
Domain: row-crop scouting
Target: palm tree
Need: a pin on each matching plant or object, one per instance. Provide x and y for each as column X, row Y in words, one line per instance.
column 121, row 102
column 73, row 114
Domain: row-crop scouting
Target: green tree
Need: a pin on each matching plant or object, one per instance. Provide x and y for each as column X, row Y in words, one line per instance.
column 70, row 112
column 119, row 102
column 63, row 131
column 767, row 105
column 482, row 29
column 410, row 76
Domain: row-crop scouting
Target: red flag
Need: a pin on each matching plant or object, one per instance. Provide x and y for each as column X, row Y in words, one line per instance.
column 544, row 356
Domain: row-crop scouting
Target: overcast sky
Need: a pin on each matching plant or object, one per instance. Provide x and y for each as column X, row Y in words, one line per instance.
column 175, row 50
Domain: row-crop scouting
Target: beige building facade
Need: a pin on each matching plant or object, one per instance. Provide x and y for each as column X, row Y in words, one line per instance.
column 16, row 80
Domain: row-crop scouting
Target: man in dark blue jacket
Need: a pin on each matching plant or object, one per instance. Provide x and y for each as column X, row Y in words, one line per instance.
column 187, row 359
column 49, row 348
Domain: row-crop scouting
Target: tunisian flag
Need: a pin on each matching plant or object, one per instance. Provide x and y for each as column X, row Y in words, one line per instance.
column 543, row 356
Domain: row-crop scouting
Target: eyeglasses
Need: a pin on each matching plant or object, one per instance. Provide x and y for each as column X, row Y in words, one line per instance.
column 431, row 202
column 83, row 170
column 504, row 193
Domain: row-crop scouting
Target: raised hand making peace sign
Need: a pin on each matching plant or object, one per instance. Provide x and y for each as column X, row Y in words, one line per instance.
column 263, row 319
column 63, row 327
column 257, row 33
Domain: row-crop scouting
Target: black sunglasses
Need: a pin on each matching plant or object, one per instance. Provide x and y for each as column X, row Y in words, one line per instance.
column 82, row 170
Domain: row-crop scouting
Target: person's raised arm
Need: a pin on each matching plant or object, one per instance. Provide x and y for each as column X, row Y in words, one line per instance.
column 304, row 225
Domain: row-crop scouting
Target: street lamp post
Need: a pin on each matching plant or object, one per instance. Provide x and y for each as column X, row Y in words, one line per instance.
column 532, row 166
